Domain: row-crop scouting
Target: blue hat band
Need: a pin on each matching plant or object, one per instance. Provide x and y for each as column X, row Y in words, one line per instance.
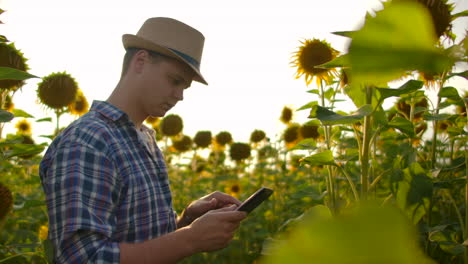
column 189, row 59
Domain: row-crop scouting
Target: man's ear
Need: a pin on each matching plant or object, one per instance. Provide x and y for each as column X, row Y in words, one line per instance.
column 138, row 61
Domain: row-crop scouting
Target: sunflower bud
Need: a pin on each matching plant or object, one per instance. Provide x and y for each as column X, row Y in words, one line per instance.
column 12, row 58
column 171, row 125
column 223, row 138
column 57, row 90
column 239, row 151
column 6, row 201
column 257, row 136
column 184, row 144
column 203, row 139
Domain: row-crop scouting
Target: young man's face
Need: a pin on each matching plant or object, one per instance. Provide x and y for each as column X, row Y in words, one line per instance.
column 162, row 85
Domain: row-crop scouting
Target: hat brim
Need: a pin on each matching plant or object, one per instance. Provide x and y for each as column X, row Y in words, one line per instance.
column 132, row 41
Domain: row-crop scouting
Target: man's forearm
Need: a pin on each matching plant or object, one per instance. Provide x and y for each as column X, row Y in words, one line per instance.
column 169, row 248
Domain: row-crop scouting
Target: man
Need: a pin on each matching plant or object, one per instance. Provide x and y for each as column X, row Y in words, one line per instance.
column 105, row 179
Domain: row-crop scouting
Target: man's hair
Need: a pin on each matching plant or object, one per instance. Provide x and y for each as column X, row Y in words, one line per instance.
column 155, row 57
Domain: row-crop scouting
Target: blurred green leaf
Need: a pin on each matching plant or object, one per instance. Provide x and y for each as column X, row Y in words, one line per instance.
column 14, row 74
column 308, row 105
column 408, row 87
column 348, row 34
column 45, row 119
column 388, row 45
column 314, row 91
column 322, row 158
column 366, row 234
column 402, row 124
column 449, row 92
column 24, row 150
column 438, row 117
column 5, row 116
column 340, row 61
column 413, row 191
column 461, row 74
column 21, row 113
column 463, row 13
column 308, row 143
column 328, row 117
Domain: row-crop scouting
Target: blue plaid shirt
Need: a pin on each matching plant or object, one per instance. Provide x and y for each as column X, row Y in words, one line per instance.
column 103, row 186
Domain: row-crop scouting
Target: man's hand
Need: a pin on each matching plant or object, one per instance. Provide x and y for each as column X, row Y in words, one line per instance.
column 215, row 229
column 209, row 202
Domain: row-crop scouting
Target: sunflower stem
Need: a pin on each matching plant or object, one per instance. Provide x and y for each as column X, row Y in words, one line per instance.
column 365, row 148
column 331, row 183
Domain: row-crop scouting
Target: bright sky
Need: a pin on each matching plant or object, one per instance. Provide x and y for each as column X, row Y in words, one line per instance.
column 248, row 48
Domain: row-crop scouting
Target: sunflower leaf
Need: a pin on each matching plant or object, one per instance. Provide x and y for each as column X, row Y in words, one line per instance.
column 45, row 119
column 394, row 42
column 463, row 13
column 322, row 158
column 408, row 87
column 438, row 117
column 5, row 116
column 14, row 74
column 308, row 143
column 449, row 92
column 308, row 105
column 348, row 34
column 402, row 124
column 461, row 74
column 21, row 113
column 340, row 61
column 328, row 117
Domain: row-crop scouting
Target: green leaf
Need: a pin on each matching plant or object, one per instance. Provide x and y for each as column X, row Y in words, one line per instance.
column 364, row 234
column 408, row 87
column 322, row 158
column 45, row 119
column 413, row 191
column 308, row 105
column 340, row 61
column 402, row 124
column 348, row 34
column 314, row 91
column 449, row 92
column 3, row 39
column 21, row 113
column 463, row 13
column 328, row 117
column 5, row 116
column 14, row 74
column 24, row 150
column 438, row 117
column 308, row 143
column 461, row 74
column 48, row 250
column 394, row 42
column 29, row 204
column 329, row 93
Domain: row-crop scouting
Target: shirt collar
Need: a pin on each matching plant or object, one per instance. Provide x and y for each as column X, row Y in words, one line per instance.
column 108, row 110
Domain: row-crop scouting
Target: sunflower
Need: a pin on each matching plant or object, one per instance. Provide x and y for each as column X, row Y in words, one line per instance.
column 217, row 158
column 23, row 127
column 6, row 201
column 440, row 14
column 80, row 105
column 312, row 53
column 404, row 107
column 292, row 135
column 8, row 104
column 309, row 131
column 43, row 232
column 257, row 136
column 223, row 138
column 57, row 90
column 182, row 145
column 233, row 188
column 267, row 152
column 239, row 151
column 202, row 139
column 12, row 58
column 286, row 115
column 171, row 125
column 152, row 121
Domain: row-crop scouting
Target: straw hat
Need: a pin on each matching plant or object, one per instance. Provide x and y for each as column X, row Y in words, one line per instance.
column 172, row 38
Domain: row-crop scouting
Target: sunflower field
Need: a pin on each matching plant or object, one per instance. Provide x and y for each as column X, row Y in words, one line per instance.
column 375, row 185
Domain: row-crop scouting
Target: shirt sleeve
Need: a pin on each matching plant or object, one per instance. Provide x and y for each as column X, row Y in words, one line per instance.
column 82, row 193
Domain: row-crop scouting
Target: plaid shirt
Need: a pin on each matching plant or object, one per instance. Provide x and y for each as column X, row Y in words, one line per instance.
column 103, row 186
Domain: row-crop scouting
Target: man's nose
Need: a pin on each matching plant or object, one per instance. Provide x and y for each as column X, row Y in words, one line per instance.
column 179, row 94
